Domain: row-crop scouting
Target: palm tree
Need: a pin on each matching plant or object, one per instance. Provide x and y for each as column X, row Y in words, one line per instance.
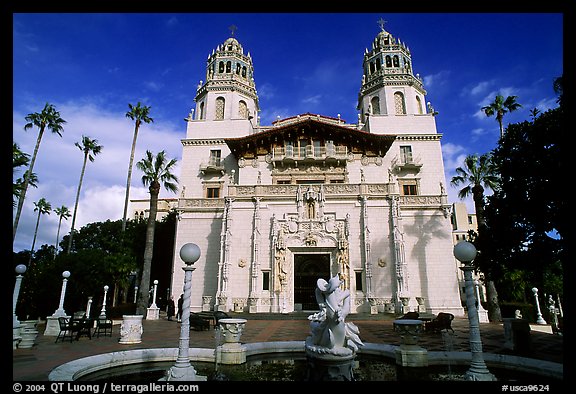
column 156, row 173
column 43, row 207
column 501, row 106
column 19, row 159
column 477, row 174
column 19, row 184
column 90, row 148
column 48, row 118
column 63, row 213
column 138, row 114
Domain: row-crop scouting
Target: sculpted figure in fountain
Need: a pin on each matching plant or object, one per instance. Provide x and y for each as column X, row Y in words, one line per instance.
column 330, row 333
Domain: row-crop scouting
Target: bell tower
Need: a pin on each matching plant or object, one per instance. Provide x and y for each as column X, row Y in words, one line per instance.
column 228, row 96
column 390, row 94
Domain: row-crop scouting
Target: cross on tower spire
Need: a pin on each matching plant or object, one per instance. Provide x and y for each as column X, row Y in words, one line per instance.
column 233, row 29
column 381, row 22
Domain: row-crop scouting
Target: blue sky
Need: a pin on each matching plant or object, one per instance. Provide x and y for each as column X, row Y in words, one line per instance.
column 91, row 65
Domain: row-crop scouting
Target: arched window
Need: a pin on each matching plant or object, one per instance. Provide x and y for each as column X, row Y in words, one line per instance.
column 228, row 66
column 238, row 67
column 220, row 102
column 242, row 109
column 419, row 105
column 396, row 61
column 371, row 67
column 378, row 65
column 388, row 61
column 375, row 102
column 221, row 67
column 399, row 104
column 201, row 114
column 244, row 71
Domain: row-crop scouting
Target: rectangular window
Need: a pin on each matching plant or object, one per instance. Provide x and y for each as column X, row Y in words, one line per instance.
column 283, row 182
column 215, row 155
column 409, row 190
column 406, row 154
column 358, row 279
column 265, row 280
column 469, row 219
column 212, row 192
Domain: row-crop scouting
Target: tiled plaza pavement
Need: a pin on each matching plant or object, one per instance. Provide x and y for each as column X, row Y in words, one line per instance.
column 36, row 363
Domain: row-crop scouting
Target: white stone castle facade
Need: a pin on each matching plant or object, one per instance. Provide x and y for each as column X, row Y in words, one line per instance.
column 274, row 208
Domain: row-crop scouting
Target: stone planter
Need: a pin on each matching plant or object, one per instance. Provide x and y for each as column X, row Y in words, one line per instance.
column 28, row 332
column 131, row 329
column 231, row 352
column 232, row 329
column 409, row 354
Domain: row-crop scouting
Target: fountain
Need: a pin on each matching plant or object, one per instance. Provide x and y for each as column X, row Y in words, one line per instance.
column 332, row 345
column 332, row 352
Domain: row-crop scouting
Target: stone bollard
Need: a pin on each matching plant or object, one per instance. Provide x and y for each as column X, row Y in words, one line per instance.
column 131, row 329
column 231, row 352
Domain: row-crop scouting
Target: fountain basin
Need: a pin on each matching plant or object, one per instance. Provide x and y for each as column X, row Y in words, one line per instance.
column 80, row 368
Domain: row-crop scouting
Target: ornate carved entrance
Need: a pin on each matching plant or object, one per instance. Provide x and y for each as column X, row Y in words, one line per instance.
column 307, row 269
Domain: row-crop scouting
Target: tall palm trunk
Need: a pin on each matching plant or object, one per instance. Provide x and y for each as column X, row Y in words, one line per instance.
column 27, row 175
column 129, row 180
column 76, row 203
column 57, row 237
column 143, row 299
column 34, row 239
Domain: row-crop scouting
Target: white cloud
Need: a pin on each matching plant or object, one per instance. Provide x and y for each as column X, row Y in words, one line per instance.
column 437, row 79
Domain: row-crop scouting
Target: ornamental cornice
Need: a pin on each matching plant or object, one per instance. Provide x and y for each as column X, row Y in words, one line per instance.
column 418, row 137
column 196, row 142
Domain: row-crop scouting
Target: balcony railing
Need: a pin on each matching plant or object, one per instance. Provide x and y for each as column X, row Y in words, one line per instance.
column 309, row 152
column 214, row 164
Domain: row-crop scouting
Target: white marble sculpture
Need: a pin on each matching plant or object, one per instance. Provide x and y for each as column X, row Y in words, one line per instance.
column 330, row 334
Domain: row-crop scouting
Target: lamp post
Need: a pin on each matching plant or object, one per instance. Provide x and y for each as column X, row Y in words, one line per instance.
column 60, row 311
column 103, row 311
column 135, row 294
column 539, row 318
column 88, row 307
column 20, row 269
column 182, row 370
column 465, row 252
column 154, row 294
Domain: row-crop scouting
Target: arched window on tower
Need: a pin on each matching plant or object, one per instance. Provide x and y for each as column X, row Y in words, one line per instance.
column 221, row 67
column 371, row 67
column 228, row 66
column 399, row 104
column 388, row 61
column 244, row 71
column 238, row 67
column 375, row 102
column 419, row 105
column 242, row 109
column 201, row 114
column 396, row 61
column 378, row 65
column 220, row 102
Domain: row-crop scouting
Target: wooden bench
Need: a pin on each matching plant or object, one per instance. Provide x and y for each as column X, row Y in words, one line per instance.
column 197, row 322
column 441, row 322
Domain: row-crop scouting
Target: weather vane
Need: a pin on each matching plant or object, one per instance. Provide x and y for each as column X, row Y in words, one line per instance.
column 381, row 22
column 233, row 29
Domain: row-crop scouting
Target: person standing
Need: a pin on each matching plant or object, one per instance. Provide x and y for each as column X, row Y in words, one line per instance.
column 180, row 304
column 170, row 309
